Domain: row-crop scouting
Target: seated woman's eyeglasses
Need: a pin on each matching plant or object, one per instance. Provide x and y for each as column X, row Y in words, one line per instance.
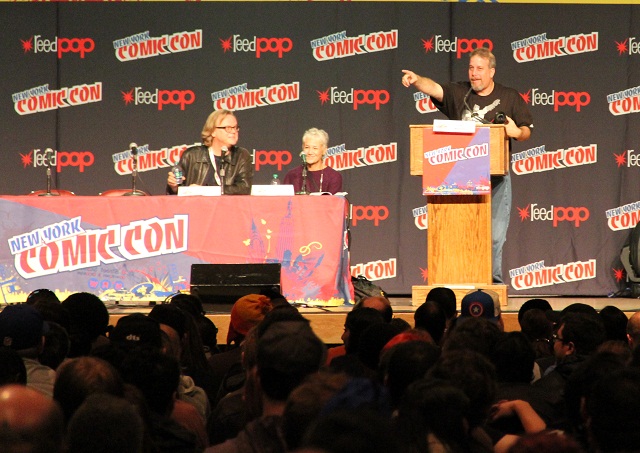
column 229, row 129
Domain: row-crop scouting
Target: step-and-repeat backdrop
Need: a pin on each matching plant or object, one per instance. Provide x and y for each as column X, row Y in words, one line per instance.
column 88, row 79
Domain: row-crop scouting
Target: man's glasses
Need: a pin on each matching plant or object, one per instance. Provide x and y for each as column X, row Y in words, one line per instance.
column 229, row 129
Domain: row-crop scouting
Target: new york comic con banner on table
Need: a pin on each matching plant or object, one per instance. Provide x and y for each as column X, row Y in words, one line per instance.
column 133, row 249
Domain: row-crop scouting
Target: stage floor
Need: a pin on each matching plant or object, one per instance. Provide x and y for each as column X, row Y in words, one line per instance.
column 328, row 322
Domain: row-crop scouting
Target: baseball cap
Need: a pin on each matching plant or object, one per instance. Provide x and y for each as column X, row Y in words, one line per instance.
column 481, row 303
column 137, row 330
column 21, row 327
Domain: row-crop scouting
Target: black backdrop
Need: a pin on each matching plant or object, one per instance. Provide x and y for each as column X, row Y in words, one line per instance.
column 561, row 240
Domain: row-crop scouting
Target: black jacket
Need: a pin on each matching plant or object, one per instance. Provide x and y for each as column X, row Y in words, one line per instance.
column 238, row 178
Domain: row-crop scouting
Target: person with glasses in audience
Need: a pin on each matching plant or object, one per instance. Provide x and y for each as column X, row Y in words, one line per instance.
column 218, row 161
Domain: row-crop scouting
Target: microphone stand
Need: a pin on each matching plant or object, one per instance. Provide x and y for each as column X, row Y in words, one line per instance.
column 48, row 193
column 303, row 189
column 134, row 175
column 223, row 154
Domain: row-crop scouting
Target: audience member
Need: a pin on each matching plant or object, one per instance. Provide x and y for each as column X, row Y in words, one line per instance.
column 538, row 329
column 405, row 363
column 533, row 304
column 89, row 322
column 579, row 334
column 56, row 346
column 615, row 323
column 83, row 376
column 612, row 409
column 305, row 403
column 105, row 423
column 287, row 352
column 633, row 330
column 482, row 304
column 192, row 305
column 380, row 303
column 29, row 421
column 22, row 329
column 430, row 317
column 446, row 298
column 157, row 376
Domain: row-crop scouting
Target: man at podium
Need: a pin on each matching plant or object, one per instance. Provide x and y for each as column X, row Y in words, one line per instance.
column 483, row 100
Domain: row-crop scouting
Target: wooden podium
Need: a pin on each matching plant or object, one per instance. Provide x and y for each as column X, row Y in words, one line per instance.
column 459, row 226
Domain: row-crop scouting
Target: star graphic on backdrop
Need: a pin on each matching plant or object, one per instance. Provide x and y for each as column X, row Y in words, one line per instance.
column 226, row 44
column 424, row 273
column 622, row 46
column 524, row 213
column 26, row 159
column 427, row 45
column 526, row 97
column 127, row 96
column 27, row 45
column 621, row 159
column 618, row 274
column 323, row 96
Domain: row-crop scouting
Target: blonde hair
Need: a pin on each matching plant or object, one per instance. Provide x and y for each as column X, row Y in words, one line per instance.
column 315, row 132
column 484, row 53
column 213, row 120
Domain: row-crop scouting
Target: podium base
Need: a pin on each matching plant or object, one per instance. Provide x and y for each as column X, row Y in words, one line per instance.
column 419, row 293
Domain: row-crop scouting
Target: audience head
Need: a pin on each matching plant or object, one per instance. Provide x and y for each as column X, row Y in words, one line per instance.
column 405, row 363
column 306, row 401
column 29, row 421
column 476, row 334
column 633, row 330
column 287, row 352
column 56, row 346
column 247, row 312
column 513, row 356
column 430, row 317
column 89, row 319
column 474, row 374
column 434, row 410
column 356, row 322
column 42, row 294
column 578, row 333
column 372, row 341
column 136, row 331
column 538, row 329
column 482, row 304
column 379, row 303
column 156, row 375
column 83, row 376
column 615, row 323
column 22, row 329
column 533, row 304
column 446, row 298
column 104, row 424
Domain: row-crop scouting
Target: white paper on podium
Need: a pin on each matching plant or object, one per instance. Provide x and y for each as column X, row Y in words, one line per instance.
column 454, row 126
column 207, row 191
column 272, row 190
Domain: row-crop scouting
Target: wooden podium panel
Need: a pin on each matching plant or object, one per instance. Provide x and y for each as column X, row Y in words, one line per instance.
column 459, row 230
column 460, row 242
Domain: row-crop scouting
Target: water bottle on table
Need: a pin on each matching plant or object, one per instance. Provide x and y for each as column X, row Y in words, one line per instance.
column 275, row 181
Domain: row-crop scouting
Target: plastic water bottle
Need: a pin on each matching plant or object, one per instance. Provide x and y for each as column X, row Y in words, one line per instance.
column 275, row 181
column 178, row 173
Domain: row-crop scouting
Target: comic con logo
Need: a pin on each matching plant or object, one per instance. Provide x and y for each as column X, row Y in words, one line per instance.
column 575, row 100
column 160, row 98
column 259, row 46
column 57, row 159
column 277, row 159
column 459, row 46
column 61, row 46
column 555, row 214
column 357, row 98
